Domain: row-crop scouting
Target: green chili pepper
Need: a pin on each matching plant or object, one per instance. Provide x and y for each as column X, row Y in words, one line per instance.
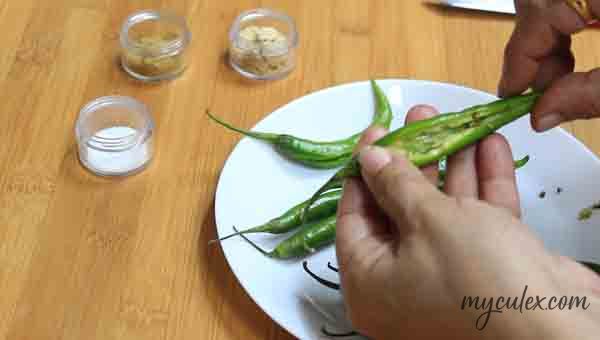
column 313, row 236
column 325, row 206
column 427, row 141
column 314, row 154
column 309, row 239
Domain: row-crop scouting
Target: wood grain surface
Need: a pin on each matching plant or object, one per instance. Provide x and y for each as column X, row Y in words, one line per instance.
column 82, row 257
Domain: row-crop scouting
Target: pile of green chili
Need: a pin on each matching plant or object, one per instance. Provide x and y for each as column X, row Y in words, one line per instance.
column 315, row 224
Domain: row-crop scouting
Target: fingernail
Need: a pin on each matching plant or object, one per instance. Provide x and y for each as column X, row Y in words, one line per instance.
column 373, row 158
column 547, row 122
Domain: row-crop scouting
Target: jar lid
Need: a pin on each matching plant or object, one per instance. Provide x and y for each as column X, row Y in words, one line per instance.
column 172, row 46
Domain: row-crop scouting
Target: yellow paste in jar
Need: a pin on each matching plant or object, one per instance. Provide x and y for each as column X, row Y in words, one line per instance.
column 145, row 57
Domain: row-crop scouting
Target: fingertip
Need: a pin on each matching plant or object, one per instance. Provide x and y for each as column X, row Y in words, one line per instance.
column 420, row 112
column 534, row 126
column 374, row 132
column 494, row 146
column 497, row 179
column 462, row 176
column 370, row 136
column 546, row 112
column 506, row 89
column 400, row 190
column 543, row 123
column 496, row 149
column 373, row 158
column 495, row 158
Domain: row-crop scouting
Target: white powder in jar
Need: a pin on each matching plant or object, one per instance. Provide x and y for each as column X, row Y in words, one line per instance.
column 115, row 150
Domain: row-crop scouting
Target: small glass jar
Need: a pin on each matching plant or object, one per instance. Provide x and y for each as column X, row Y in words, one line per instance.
column 114, row 136
column 262, row 44
column 154, row 45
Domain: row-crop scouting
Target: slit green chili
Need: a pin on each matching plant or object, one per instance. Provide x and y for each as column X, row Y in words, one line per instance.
column 316, row 154
column 427, row 141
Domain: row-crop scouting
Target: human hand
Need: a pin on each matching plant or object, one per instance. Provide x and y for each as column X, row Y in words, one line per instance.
column 409, row 254
column 539, row 55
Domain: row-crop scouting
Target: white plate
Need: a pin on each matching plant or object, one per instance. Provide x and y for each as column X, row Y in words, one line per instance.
column 257, row 184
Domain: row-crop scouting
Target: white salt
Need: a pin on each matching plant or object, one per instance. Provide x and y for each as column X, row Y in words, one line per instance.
column 119, row 157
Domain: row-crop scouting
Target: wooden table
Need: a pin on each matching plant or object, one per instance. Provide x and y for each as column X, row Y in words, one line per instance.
column 83, row 257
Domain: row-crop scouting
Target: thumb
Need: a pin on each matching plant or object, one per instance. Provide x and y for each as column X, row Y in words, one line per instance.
column 398, row 186
column 358, row 217
column 575, row 96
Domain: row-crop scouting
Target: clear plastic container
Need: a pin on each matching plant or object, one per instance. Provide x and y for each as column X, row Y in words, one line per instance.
column 263, row 44
column 154, row 45
column 114, row 136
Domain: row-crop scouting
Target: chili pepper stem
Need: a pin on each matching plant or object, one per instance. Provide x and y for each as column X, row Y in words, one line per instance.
column 521, row 162
column 259, row 229
column 268, row 137
column 382, row 107
column 254, row 245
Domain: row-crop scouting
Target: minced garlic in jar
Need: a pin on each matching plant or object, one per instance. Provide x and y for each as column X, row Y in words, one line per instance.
column 261, row 50
column 146, row 59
